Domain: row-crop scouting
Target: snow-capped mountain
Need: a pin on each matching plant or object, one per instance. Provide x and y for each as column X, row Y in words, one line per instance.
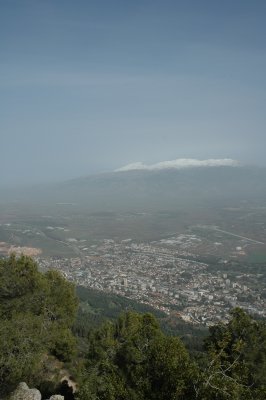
column 180, row 163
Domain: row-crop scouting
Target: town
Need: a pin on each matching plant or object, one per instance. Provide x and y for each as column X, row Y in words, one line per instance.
column 169, row 278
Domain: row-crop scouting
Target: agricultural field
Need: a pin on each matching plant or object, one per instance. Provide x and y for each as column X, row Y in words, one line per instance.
column 67, row 231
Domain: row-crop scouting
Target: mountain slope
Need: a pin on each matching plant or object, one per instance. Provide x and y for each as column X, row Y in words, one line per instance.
column 144, row 190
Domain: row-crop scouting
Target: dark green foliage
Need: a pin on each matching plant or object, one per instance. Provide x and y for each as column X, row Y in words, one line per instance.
column 20, row 282
column 170, row 369
column 96, row 307
column 65, row 345
column 236, row 359
column 110, row 306
column 20, row 348
column 61, row 301
column 132, row 359
column 36, row 313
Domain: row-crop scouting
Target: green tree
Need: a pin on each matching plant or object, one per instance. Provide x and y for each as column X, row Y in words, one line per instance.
column 170, row 370
column 21, row 349
column 236, row 360
column 133, row 360
column 36, row 314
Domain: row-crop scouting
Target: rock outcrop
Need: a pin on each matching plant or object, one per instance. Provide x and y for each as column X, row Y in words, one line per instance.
column 23, row 392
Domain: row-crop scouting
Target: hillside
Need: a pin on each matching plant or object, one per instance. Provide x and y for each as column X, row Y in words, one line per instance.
column 151, row 190
column 96, row 307
column 126, row 358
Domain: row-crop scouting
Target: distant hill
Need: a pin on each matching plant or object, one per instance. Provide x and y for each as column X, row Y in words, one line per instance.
column 151, row 190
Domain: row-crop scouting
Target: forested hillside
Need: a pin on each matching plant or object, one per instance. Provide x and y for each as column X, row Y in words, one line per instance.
column 37, row 312
column 95, row 307
column 126, row 358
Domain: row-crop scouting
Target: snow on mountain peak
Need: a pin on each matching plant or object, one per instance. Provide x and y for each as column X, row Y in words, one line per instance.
column 180, row 163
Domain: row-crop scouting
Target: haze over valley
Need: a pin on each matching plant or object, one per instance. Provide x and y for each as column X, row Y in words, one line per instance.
column 187, row 237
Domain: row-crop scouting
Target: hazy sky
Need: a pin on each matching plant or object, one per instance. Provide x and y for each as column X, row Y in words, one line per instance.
column 88, row 86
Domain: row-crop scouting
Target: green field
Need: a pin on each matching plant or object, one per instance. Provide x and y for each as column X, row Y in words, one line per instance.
column 257, row 257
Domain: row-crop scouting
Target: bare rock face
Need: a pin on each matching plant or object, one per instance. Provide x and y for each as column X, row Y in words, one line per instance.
column 23, row 392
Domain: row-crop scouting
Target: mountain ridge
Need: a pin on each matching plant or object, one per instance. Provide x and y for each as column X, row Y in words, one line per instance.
column 142, row 190
column 180, row 163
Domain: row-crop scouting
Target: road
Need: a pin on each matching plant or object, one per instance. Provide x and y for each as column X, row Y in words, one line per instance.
column 239, row 236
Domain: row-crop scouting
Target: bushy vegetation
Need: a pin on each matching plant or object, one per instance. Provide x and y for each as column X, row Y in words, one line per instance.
column 36, row 314
column 95, row 308
column 133, row 359
column 127, row 358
